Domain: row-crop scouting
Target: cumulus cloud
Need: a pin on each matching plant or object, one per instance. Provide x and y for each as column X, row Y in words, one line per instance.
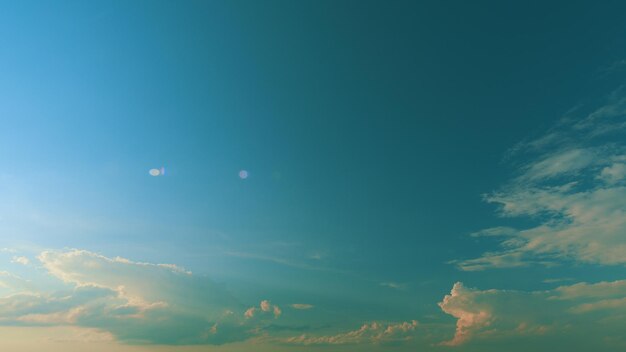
column 572, row 185
column 134, row 302
column 371, row 333
column 559, row 314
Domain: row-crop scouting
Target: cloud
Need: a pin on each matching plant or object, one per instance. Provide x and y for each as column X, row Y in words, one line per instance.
column 285, row 262
column 264, row 309
column 134, row 302
column 495, row 232
column 14, row 283
column 471, row 315
column 393, row 285
column 571, row 184
column 20, row 260
column 301, row 306
column 371, row 333
column 566, row 312
column 554, row 280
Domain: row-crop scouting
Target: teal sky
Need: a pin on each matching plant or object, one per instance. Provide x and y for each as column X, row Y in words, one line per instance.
column 312, row 175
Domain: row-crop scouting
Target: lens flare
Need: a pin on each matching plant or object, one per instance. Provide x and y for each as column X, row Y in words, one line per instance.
column 243, row 174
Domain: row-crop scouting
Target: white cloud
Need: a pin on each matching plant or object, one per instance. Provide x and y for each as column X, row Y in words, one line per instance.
column 20, row 260
column 573, row 186
column 14, row 283
column 135, row 302
column 560, row 163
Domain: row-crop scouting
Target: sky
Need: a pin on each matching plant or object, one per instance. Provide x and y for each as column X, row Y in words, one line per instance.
column 312, row 176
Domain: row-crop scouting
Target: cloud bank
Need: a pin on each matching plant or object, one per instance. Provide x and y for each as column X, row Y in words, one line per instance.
column 138, row 303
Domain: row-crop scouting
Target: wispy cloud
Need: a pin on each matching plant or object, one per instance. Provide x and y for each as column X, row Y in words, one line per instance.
column 265, row 308
column 284, row 261
column 301, row 306
column 555, row 280
column 14, row 282
column 572, row 184
column 393, row 285
column 20, row 260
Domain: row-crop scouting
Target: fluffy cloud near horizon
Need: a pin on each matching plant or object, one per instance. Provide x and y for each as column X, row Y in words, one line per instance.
column 139, row 303
column 144, row 303
column 572, row 185
column 370, row 333
column 565, row 314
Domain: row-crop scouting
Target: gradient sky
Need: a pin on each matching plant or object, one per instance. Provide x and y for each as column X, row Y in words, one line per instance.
column 332, row 176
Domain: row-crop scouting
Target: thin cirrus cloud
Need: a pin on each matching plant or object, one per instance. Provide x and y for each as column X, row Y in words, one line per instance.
column 576, row 314
column 134, row 302
column 573, row 187
column 301, row 306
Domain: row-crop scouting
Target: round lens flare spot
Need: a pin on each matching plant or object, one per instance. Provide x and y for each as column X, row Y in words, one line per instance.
column 155, row 172
column 243, row 174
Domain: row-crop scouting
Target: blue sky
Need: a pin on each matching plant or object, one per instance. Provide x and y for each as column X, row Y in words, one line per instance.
column 333, row 175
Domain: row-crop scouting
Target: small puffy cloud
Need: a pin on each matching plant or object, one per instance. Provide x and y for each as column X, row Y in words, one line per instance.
column 560, row 314
column 20, row 260
column 264, row 309
column 371, row 333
